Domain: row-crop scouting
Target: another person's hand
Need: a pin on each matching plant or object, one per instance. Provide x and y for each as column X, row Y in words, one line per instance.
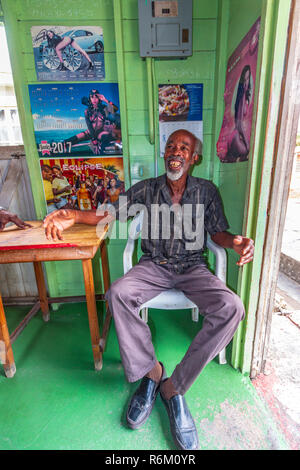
column 58, row 221
column 245, row 248
column 6, row 216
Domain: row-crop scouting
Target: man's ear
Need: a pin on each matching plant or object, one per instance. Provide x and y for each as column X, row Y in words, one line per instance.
column 195, row 157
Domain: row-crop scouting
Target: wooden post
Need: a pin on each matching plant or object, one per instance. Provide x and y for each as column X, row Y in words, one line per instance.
column 40, row 281
column 92, row 311
column 6, row 353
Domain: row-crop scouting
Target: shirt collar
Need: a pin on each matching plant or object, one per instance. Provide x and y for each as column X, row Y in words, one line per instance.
column 191, row 184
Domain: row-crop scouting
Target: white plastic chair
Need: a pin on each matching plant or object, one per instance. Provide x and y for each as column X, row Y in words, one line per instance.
column 172, row 299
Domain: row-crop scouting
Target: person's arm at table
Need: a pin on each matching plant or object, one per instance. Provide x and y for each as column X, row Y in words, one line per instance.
column 58, row 221
column 6, row 216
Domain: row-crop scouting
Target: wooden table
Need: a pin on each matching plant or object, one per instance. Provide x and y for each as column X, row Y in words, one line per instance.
column 31, row 245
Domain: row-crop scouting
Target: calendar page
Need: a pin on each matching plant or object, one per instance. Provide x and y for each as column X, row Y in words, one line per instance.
column 78, row 119
column 68, row 53
column 180, row 107
column 166, row 129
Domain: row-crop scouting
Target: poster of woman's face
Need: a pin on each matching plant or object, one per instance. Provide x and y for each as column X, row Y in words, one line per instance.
column 78, row 119
column 64, row 53
column 234, row 140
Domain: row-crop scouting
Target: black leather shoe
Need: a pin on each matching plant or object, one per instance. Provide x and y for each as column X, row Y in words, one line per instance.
column 183, row 427
column 142, row 401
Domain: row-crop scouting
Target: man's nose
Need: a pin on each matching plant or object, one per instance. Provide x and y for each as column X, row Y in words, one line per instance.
column 177, row 150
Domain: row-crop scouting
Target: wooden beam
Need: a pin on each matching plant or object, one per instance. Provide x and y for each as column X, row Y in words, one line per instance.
column 25, row 321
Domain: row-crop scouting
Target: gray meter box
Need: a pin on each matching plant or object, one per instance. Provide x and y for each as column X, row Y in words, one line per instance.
column 165, row 28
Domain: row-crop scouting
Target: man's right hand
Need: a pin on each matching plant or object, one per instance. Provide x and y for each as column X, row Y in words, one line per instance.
column 58, row 221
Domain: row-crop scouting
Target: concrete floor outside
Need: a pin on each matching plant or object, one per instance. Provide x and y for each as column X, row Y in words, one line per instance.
column 281, row 386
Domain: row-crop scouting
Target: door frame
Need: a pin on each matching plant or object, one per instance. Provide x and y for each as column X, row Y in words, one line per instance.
column 270, row 169
column 285, row 141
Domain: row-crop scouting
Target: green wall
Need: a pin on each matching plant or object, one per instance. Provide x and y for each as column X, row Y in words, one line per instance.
column 218, row 27
column 238, row 18
column 119, row 19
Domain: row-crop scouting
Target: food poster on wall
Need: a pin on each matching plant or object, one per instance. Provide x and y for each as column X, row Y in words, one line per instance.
column 234, row 140
column 79, row 119
column 180, row 107
column 81, row 183
column 73, row 53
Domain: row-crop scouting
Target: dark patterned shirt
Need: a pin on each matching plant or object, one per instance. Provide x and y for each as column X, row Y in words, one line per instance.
column 170, row 247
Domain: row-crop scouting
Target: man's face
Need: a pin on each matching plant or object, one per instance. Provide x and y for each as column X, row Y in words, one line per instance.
column 179, row 155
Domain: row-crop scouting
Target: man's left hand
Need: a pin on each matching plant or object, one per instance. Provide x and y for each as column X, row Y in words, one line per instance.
column 245, row 248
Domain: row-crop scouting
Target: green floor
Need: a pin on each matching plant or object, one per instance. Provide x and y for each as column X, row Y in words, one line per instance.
column 57, row 401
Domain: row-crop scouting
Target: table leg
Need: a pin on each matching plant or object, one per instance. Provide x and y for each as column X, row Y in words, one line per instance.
column 40, row 282
column 106, row 282
column 105, row 268
column 92, row 311
column 6, row 352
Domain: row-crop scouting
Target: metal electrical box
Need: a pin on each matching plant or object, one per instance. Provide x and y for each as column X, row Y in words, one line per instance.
column 165, row 28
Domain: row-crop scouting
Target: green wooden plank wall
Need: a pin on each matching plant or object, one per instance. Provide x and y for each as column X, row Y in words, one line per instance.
column 232, row 177
column 196, row 69
column 65, row 278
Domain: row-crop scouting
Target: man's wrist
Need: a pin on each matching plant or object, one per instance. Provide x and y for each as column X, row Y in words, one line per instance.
column 77, row 216
column 224, row 239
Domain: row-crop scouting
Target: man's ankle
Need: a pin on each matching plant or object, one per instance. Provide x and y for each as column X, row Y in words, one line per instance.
column 168, row 390
column 155, row 373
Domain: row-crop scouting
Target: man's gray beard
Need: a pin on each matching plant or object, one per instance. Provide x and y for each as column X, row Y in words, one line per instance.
column 174, row 176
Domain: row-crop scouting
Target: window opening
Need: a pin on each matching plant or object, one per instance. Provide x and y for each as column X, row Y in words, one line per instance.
column 10, row 130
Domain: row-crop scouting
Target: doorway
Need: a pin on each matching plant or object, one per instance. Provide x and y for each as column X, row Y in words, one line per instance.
column 275, row 358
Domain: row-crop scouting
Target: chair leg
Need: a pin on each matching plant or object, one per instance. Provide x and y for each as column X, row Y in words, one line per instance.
column 195, row 314
column 144, row 314
column 222, row 357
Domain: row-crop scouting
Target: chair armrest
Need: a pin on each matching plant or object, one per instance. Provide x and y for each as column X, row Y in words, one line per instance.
column 134, row 231
column 221, row 259
column 127, row 255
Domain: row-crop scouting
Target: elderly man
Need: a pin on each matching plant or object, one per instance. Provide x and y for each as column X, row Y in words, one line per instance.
column 170, row 262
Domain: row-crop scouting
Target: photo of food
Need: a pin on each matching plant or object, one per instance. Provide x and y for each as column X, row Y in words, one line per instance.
column 180, row 107
column 174, row 102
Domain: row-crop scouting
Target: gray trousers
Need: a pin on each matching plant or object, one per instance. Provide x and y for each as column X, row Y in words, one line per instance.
column 222, row 310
